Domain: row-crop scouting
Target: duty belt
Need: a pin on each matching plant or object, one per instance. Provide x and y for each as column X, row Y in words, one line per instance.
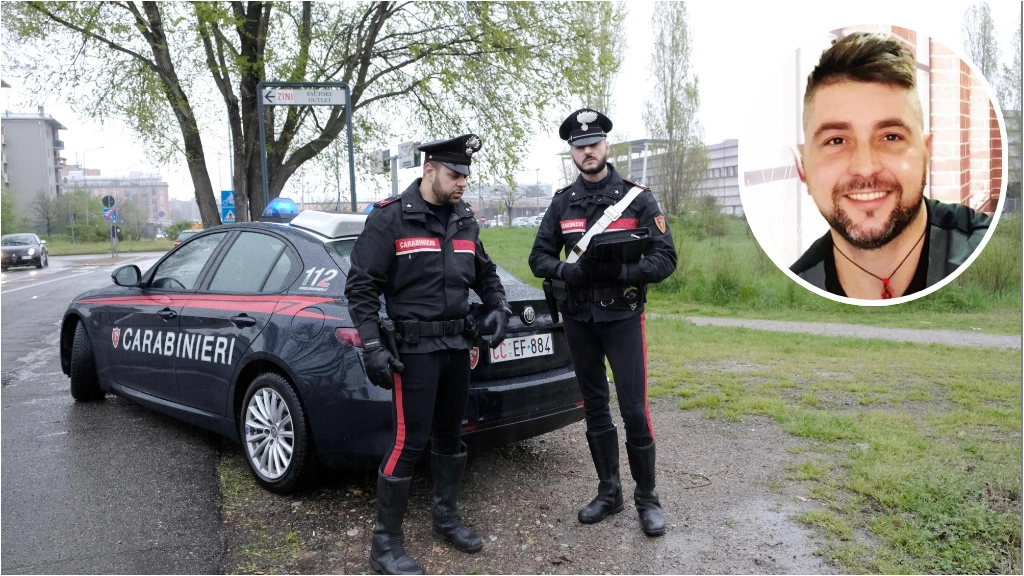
column 629, row 294
column 412, row 330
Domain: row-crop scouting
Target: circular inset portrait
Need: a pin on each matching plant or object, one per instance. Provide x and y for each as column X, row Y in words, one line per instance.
column 872, row 165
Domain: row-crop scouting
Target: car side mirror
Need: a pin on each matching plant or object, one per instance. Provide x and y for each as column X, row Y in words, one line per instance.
column 42, row 241
column 128, row 276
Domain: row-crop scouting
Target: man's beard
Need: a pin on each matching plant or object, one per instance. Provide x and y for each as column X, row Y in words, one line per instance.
column 441, row 195
column 901, row 217
column 600, row 166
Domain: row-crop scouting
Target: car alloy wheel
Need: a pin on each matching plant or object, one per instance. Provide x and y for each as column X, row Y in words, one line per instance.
column 274, row 430
column 269, row 434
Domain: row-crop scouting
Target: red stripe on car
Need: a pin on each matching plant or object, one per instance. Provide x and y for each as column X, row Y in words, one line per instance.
column 396, row 452
column 412, row 245
column 579, row 225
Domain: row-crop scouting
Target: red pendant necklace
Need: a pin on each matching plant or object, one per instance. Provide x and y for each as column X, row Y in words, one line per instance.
column 885, row 281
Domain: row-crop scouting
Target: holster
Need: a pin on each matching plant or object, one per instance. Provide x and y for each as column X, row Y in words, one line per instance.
column 387, row 335
column 563, row 296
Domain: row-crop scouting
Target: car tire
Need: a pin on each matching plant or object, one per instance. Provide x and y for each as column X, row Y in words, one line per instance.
column 46, row 260
column 85, row 385
column 274, row 430
column 39, row 263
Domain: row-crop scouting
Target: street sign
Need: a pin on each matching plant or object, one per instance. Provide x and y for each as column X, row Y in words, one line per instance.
column 109, row 214
column 294, row 97
column 408, row 155
column 227, row 206
column 381, row 161
column 108, row 201
column 160, row 214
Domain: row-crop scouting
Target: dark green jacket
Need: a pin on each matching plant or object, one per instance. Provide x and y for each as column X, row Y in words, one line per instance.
column 954, row 233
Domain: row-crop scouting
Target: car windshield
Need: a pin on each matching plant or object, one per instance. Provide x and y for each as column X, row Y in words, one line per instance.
column 18, row 240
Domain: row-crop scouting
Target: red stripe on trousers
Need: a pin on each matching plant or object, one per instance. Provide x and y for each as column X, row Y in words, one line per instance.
column 647, row 406
column 396, row 452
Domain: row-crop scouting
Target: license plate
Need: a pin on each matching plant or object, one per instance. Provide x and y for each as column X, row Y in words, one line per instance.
column 522, row 347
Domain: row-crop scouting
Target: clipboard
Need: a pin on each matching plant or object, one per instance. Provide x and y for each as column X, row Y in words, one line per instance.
column 625, row 246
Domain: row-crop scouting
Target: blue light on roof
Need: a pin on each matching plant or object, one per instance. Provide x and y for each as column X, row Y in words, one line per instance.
column 281, row 207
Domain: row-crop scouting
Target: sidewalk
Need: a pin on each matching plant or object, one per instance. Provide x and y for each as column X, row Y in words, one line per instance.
column 947, row 337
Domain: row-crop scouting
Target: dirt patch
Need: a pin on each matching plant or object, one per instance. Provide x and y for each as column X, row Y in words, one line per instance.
column 728, row 503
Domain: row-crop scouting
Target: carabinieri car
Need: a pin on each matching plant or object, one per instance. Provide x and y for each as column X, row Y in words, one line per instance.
column 244, row 330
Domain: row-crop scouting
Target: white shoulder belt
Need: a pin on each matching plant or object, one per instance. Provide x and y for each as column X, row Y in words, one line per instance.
column 610, row 215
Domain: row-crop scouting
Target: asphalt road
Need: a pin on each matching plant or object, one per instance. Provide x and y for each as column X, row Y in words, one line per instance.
column 105, row 487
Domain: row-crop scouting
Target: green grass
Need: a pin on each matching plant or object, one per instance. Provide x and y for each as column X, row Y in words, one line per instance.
column 262, row 550
column 919, row 445
column 58, row 246
column 729, row 276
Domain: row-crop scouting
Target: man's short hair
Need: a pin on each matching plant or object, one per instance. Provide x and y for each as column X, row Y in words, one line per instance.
column 864, row 57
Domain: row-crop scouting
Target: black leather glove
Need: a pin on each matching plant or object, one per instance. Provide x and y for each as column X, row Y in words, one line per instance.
column 379, row 364
column 497, row 321
column 601, row 269
column 575, row 275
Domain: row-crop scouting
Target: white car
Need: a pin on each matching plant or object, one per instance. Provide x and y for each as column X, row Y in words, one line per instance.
column 522, row 222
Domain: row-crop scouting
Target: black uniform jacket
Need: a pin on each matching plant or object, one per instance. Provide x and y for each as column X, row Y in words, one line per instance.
column 574, row 210
column 423, row 267
column 954, row 232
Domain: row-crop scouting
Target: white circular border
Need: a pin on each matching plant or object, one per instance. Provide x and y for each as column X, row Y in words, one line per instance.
column 995, row 216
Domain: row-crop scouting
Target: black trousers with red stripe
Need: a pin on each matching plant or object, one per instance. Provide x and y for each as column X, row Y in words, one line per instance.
column 624, row 343
column 431, row 391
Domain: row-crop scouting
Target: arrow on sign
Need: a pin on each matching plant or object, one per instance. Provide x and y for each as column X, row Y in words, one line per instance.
column 269, row 96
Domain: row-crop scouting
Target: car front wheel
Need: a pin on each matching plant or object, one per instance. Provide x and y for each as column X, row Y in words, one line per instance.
column 275, row 435
column 85, row 385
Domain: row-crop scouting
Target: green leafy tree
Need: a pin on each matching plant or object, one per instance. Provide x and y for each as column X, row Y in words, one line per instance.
column 671, row 112
column 1010, row 99
column 10, row 222
column 414, row 68
column 174, row 229
column 132, row 218
column 978, row 30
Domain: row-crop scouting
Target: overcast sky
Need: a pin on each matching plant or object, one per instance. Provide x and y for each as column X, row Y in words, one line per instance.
column 731, row 43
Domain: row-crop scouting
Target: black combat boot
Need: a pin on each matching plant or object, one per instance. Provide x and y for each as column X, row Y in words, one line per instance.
column 387, row 546
column 447, row 471
column 604, row 448
column 641, row 465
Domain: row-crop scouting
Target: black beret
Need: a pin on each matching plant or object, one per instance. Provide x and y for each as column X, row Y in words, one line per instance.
column 456, row 153
column 584, row 127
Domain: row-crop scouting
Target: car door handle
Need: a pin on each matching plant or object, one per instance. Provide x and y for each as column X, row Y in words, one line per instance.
column 243, row 321
column 167, row 314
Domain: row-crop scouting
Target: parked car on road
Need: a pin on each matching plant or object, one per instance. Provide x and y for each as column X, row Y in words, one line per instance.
column 521, row 222
column 23, row 250
column 244, row 330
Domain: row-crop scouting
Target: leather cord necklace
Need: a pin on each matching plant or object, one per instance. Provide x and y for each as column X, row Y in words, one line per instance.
column 885, row 281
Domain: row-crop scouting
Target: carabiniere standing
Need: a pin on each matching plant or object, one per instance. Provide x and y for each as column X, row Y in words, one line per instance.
column 603, row 311
column 422, row 251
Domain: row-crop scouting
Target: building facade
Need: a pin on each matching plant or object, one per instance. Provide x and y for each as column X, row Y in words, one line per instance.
column 31, row 156
column 147, row 190
column 642, row 161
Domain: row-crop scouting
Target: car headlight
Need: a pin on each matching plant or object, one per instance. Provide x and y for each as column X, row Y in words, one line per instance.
column 31, row 251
